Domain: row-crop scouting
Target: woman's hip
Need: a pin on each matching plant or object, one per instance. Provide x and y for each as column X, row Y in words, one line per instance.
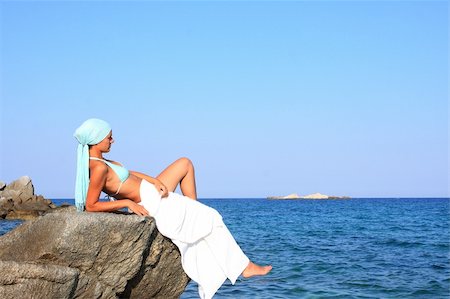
column 150, row 197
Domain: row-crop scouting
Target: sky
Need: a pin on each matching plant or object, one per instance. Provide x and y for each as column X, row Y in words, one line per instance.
column 265, row 97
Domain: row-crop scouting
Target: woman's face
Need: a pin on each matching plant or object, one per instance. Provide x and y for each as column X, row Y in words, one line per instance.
column 105, row 145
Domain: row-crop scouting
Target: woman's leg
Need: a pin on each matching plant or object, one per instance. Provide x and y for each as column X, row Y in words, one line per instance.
column 180, row 172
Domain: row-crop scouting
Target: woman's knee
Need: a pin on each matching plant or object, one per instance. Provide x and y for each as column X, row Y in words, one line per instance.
column 186, row 162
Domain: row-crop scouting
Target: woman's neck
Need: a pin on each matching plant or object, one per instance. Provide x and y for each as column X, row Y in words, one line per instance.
column 95, row 154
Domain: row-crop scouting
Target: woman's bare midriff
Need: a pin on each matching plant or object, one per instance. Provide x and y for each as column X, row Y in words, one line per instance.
column 130, row 188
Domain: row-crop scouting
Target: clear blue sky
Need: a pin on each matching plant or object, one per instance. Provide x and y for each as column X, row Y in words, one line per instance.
column 266, row 98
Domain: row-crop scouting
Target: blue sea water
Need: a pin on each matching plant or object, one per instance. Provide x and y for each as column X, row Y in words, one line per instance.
column 356, row 248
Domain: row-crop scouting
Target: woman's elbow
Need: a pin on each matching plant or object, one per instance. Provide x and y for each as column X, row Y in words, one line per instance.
column 91, row 208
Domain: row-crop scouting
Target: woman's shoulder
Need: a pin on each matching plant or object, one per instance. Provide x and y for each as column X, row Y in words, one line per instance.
column 97, row 166
column 98, row 173
column 113, row 162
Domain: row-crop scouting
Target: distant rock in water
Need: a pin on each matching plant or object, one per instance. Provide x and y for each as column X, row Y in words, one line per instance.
column 316, row 196
column 310, row 196
column 290, row 196
column 67, row 254
column 18, row 201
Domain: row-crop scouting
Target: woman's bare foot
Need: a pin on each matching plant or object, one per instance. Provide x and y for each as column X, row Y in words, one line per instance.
column 253, row 269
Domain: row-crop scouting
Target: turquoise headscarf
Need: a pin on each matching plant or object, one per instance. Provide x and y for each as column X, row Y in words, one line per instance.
column 90, row 132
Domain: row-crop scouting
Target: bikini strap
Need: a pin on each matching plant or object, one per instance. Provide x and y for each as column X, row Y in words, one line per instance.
column 104, row 161
column 98, row 159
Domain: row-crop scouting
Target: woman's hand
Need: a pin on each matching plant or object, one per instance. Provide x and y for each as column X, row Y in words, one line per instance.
column 137, row 209
column 162, row 189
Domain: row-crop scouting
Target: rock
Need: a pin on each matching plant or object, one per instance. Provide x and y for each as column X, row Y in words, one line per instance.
column 315, row 196
column 310, row 196
column 2, row 185
column 338, row 197
column 20, row 189
column 6, row 205
column 67, row 254
column 23, row 214
column 37, row 280
column 18, row 201
column 290, row 196
column 322, row 196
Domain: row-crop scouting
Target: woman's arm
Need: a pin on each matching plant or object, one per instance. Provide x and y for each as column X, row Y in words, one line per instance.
column 96, row 184
column 158, row 184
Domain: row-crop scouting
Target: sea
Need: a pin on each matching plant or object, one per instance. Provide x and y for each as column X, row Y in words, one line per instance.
column 352, row 248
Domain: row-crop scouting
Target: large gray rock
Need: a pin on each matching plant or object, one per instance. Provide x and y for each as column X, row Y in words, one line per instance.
column 20, row 189
column 37, row 280
column 67, row 254
column 18, row 201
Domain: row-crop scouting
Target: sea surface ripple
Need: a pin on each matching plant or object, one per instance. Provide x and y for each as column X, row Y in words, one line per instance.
column 355, row 248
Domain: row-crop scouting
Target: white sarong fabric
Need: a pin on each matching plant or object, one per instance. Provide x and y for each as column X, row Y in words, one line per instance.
column 209, row 253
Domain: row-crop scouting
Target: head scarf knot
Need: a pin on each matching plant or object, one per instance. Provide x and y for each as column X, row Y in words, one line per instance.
column 90, row 132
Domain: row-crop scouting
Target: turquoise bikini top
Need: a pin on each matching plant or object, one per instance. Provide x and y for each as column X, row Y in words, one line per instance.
column 121, row 171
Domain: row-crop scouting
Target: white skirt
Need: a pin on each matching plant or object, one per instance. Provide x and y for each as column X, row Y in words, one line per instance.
column 209, row 253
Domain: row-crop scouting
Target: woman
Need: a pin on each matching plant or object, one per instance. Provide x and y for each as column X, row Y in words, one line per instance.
column 209, row 253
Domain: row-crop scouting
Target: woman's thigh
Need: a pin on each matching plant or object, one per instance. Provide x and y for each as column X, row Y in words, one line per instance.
column 172, row 175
